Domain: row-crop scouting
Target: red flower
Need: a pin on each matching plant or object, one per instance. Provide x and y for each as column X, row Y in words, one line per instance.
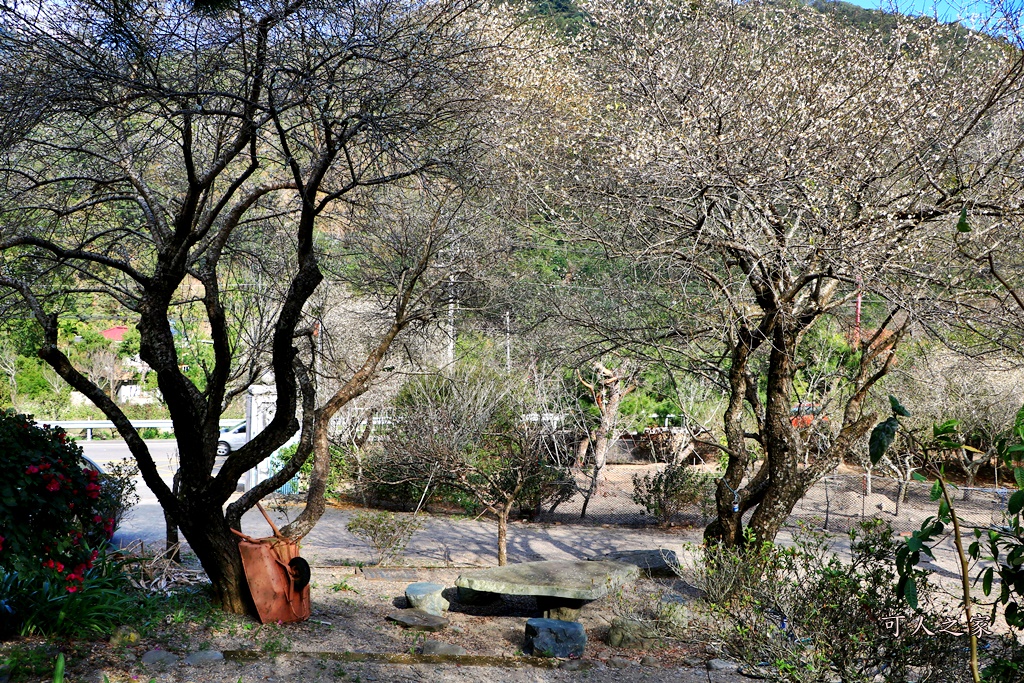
column 31, row 469
column 97, row 519
column 48, row 564
column 72, row 589
column 2, row 539
column 60, row 568
column 92, row 490
column 53, row 486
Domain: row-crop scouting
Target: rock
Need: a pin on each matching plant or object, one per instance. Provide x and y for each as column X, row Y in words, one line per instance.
column 468, row 596
column 650, row 661
column 427, row 597
column 552, row 578
column 554, row 638
column 758, row 672
column 656, row 563
column 560, row 609
column 577, row 665
column 722, row 666
column 124, row 636
column 436, row 647
column 619, row 662
column 631, row 634
column 418, row 620
column 693, row 661
column 204, row 657
column 159, row 657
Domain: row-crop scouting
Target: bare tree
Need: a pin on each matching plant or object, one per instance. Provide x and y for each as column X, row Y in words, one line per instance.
column 156, row 158
column 762, row 168
column 476, row 430
column 607, row 387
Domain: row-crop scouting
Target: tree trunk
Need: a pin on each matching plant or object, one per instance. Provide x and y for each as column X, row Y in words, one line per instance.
column 172, row 544
column 217, row 549
column 503, row 536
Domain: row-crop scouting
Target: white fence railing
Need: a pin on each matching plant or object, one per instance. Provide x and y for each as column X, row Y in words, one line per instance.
column 89, row 425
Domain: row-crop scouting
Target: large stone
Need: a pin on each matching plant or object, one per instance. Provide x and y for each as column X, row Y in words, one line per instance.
column 657, row 563
column 722, row 666
column 427, row 597
column 632, row 634
column 418, row 620
column 582, row 580
column 204, row 657
column 554, row 638
column 157, row 657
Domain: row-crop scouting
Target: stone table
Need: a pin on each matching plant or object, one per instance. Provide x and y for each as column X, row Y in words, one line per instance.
column 561, row 587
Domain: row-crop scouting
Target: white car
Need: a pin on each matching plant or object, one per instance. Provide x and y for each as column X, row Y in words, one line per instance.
column 231, row 439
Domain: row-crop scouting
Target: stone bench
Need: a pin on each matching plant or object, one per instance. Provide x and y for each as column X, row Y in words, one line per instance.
column 561, row 587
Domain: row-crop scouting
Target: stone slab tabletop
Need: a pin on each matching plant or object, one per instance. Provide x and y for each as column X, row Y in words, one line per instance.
column 576, row 580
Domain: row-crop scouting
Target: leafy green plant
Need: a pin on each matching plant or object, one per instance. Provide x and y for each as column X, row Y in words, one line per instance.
column 667, row 493
column 388, row 534
column 343, row 586
column 55, row 512
column 1005, row 544
column 815, row 618
column 41, row 604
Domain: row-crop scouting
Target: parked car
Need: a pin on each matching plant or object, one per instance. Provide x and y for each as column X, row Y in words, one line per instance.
column 232, row 438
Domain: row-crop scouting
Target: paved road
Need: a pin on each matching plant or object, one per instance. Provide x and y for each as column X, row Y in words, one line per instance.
column 106, row 453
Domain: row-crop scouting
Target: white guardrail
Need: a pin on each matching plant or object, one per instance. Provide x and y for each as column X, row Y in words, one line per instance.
column 89, row 425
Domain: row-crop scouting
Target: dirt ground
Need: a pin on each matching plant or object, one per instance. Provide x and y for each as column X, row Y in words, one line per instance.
column 349, row 623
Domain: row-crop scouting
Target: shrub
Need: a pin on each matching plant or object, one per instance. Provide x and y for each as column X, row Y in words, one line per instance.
column 55, row 513
column 804, row 615
column 388, row 534
column 667, row 493
column 42, row 603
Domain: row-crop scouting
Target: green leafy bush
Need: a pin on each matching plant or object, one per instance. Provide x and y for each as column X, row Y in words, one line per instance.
column 388, row 534
column 800, row 613
column 41, row 602
column 667, row 493
column 55, row 513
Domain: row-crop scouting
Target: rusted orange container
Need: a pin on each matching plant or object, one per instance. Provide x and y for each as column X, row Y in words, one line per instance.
column 278, row 578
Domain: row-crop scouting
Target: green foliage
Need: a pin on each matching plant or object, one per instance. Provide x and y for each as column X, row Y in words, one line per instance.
column 1003, row 547
column 53, row 510
column 388, row 534
column 667, row 493
column 816, row 618
column 27, row 661
column 40, row 602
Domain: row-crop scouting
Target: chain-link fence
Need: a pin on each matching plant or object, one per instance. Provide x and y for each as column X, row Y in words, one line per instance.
column 836, row 503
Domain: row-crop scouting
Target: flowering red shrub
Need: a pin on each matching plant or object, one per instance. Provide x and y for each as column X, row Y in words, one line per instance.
column 54, row 516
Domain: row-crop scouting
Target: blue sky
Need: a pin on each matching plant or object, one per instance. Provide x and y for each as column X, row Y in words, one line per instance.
column 946, row 10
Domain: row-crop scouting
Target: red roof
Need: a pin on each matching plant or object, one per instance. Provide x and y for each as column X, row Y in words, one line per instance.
column 115, row 333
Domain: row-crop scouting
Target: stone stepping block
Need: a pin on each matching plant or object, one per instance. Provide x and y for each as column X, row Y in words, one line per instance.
column 204, row 657
column 418, row 620
column 554, row 638
column 427, row 596
column 159, row 657
column 656, row 563
column 436, row 647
